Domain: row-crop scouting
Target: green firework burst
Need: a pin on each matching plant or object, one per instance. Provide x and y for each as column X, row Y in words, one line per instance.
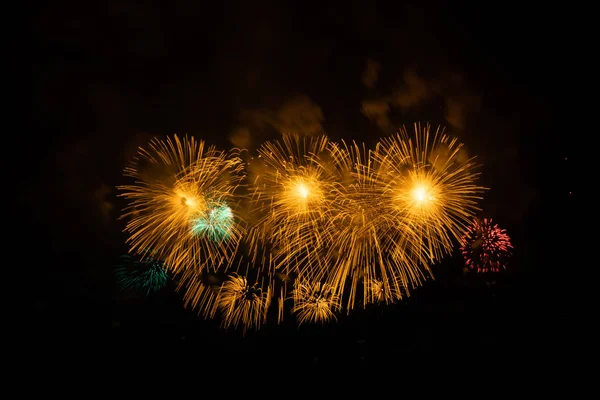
column 146, row 274
column 215, row 223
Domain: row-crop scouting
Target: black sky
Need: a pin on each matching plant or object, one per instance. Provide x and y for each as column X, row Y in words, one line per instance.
column 109, row 76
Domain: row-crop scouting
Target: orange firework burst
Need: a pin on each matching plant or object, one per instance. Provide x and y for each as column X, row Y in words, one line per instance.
column 182, row 205
column 290, row 196
column 386, row 292
column 430, row 185
column 243, row 304
column 314, row 302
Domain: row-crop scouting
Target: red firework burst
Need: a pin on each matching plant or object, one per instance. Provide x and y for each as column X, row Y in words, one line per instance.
column 485, row 247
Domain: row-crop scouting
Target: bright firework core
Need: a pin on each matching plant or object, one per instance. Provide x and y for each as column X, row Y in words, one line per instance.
column 421, row 194
column 302, row 190
column 190, row 202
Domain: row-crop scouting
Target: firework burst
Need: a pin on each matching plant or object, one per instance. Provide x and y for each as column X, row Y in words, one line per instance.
column 314, row 302
column 485, row 247
column 430, row 185
column 383, row 292
column 243, row 304
column 290, row 194
column 145, row 274
column 182, row 203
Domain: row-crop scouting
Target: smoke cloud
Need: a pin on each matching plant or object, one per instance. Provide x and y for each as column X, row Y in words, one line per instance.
column 458, row 101
column 299, row 115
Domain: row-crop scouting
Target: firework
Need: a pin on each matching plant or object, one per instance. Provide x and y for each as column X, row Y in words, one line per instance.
column 145, row 274
column 290, row 195
column 314, row 302
column 182, row 203
column 340, row 224
column 430, row 185
column 378, row 291
column 485, row 247
column 243, row 304
column 362, row 238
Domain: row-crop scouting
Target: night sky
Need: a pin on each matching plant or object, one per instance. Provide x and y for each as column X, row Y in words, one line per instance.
column 107, row 78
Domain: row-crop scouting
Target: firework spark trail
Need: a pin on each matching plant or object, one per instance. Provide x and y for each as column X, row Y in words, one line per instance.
column 242, row 304
column 429, row 182
column 143, row 273
column 314, row 302
column 179, row 186
column 485, row 247
column 199, row 291
column 290, row 194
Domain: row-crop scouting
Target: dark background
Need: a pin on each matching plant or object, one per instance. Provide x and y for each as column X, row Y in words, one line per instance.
column 109, row 76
